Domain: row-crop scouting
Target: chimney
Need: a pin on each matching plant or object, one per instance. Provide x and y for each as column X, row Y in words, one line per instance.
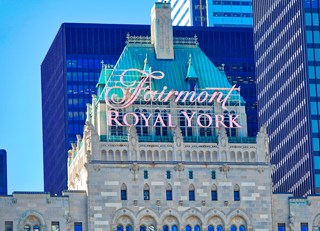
column 161, row 30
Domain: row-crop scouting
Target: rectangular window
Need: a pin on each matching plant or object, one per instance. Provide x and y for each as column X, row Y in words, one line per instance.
column 304, row 226
column 310, row 54
column 318, row 180
column 169, row 195
column 146, row 195
column 55, row 226
column 314, row 110
column 213, row 174
column 8, row 226
column 309, row 36
column 308, row 19
column 315, row 128
column 77, row 226
column 316, row 37
column 190, row 174
column 145, row 174
column 281, row 227
column 317, row 53
column 236, row 195
column 168, row 175
column 317, row 72
column 311, row 73
column 317, row 162
column 191, row 195
column 123, row 195
column 315, row 144
column 313, row 91
column 214, row 195
column 315, row 19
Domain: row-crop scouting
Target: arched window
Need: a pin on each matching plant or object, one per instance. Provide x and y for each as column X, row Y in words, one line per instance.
column 188, row 228
column 236, row 193
column 210, row 228
column 103, row 155
column 219, row 228
column 214, row 193
column 174, row 228
column 27, row 228
column 128, row 228
column 143, row 228
column 169, row 192
column 242, row 228
column 146, row 192
column 197, row 228
column 119, row 228
column 123, row 192
column 233, row 228
column 165, row 228
column 191, row 193
column 36, row 228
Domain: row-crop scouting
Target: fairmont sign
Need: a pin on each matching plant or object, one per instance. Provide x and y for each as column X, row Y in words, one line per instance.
column 122, row 97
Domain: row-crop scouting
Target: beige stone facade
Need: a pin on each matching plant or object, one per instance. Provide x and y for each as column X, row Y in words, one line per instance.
column 172, row 182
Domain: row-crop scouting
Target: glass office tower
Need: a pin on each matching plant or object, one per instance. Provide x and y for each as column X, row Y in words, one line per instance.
column 232, row 13
column 229, row 13
column 70, row 71
column 287, row 56
column 3, row 172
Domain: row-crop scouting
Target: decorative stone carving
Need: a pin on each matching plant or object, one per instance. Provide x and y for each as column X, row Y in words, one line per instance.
column 133, row 141
column 225, row 169
column 260, row 169
column 178, row 138
column 134, row 168
column 263, row 143
column 223, row 138
column 68, row 218
column 291, row 221
column 179, row 167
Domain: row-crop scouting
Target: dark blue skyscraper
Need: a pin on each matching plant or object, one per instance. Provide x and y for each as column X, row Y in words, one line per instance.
column 70, row 71
column 3, row 172
column 287, row 56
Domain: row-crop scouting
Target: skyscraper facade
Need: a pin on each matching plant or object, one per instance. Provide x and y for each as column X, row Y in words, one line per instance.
column 232, row 13
column 287, row 53
column 71, row 68
column 3, row 172
column 229, row 13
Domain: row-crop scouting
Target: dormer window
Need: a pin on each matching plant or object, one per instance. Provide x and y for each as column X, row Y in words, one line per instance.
column 192, row 84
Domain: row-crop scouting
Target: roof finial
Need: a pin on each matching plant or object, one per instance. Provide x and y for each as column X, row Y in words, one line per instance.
column 190, row 59
column 146, row 59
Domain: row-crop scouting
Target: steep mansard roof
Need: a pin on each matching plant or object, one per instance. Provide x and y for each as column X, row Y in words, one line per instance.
column 189, row 61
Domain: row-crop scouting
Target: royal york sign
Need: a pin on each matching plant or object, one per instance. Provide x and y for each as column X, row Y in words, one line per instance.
column 121, row 97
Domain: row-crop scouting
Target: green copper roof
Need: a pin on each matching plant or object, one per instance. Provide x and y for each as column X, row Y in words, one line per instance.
column 142, row 56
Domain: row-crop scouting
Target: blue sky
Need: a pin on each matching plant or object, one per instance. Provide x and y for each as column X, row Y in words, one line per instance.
column 27, row 28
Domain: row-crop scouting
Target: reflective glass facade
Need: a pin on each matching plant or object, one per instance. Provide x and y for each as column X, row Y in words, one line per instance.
column 236, row 13
column 312, row 11
column 71, row 68
column 230, row 13
column 3, row 172
column 286, row 36
column 181, row 13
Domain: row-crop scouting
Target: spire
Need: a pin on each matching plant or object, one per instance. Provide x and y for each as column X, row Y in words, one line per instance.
column 191, row 74
column 146, row 66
